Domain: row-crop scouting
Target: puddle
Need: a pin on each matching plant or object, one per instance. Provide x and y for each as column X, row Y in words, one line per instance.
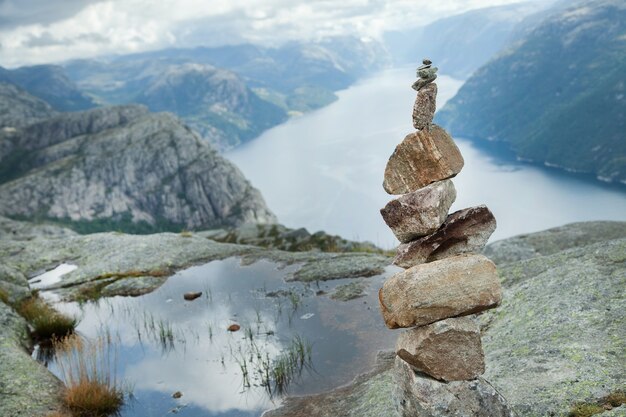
column 50, row 277
column 166, row 344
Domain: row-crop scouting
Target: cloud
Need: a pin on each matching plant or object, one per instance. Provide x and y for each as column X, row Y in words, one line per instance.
column 35, row 31
column 15, row 13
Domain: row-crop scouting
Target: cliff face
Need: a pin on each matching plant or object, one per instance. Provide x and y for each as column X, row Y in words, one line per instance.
column 557, row 95
column 214, row 102
column 123, row 167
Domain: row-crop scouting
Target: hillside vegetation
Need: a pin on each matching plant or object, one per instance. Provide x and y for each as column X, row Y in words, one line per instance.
column 557, row 95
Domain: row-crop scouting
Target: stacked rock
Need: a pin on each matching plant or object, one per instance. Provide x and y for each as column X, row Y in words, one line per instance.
column 440, row 358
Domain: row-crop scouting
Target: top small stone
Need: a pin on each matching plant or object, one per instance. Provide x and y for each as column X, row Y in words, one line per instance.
column 426, row 63
column 426, row 74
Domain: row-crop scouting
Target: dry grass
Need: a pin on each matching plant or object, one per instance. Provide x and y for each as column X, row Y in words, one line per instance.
column 186, row 233
column 616, row 398
column 586, row 410
column 88, row 370
column 4, row 297
column 46, row 321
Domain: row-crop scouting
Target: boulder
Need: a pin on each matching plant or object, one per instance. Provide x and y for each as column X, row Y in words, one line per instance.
column 424, row 294
column 416, row 395
column 425, row 106
column 421, row 212
column 422, row 158
column 448, row 350
column 464, row 231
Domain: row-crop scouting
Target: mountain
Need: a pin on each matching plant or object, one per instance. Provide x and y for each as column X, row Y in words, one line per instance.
column 230, row 94
column 332, row 64
column 214, row 102
column 18, row 108
column 122, row 168
column 49, row 83
column 460, row 44
column 557, row 95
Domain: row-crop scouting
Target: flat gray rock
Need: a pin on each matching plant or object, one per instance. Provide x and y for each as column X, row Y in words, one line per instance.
column 423, row 157
column 559, row 338
column 464, row 231
column 421, row 212
column 449, row 350
column 416, row 395
column 424, row 294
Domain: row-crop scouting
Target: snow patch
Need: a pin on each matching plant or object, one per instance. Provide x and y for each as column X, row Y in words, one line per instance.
column 51, row 277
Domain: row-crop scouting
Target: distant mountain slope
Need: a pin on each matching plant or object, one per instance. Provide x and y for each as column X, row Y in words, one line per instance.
column 18, row 108
column 269, row 82
column 49, row 83
column 214, row 102
column 460, row 44
column 123, row 168
column 558, row 95
column 332, row 64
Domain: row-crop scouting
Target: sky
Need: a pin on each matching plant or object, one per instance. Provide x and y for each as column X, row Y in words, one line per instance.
column 45, row 31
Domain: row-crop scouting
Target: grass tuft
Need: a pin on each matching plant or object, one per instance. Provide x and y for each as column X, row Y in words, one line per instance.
column 586, row 410
column 47, row 322
column 88, row 370
column 4, row 296
column 614, row 399
column 186, row 233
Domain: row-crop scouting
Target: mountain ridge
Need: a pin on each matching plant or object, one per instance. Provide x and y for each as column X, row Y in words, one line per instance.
column 556, row 96
column 122, row 168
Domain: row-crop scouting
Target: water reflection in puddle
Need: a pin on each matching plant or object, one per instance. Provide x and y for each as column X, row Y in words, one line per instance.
column 167, row 344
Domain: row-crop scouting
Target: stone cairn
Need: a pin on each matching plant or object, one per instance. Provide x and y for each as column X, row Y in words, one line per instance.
column 439, row 359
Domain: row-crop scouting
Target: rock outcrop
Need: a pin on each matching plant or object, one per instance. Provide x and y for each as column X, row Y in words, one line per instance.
column 554, row 343
column 27, row 388
column 126, row 168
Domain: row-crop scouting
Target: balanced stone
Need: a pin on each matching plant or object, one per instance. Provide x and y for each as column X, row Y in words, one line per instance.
column 424, row 294
column 464, row 231
column 416, row 395
column 449, row 350
column 421, row 212
column 425, row 106
column 427, row 75
column 423, row 157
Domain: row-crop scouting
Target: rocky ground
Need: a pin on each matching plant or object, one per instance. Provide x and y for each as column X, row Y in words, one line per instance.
column 557, row 340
